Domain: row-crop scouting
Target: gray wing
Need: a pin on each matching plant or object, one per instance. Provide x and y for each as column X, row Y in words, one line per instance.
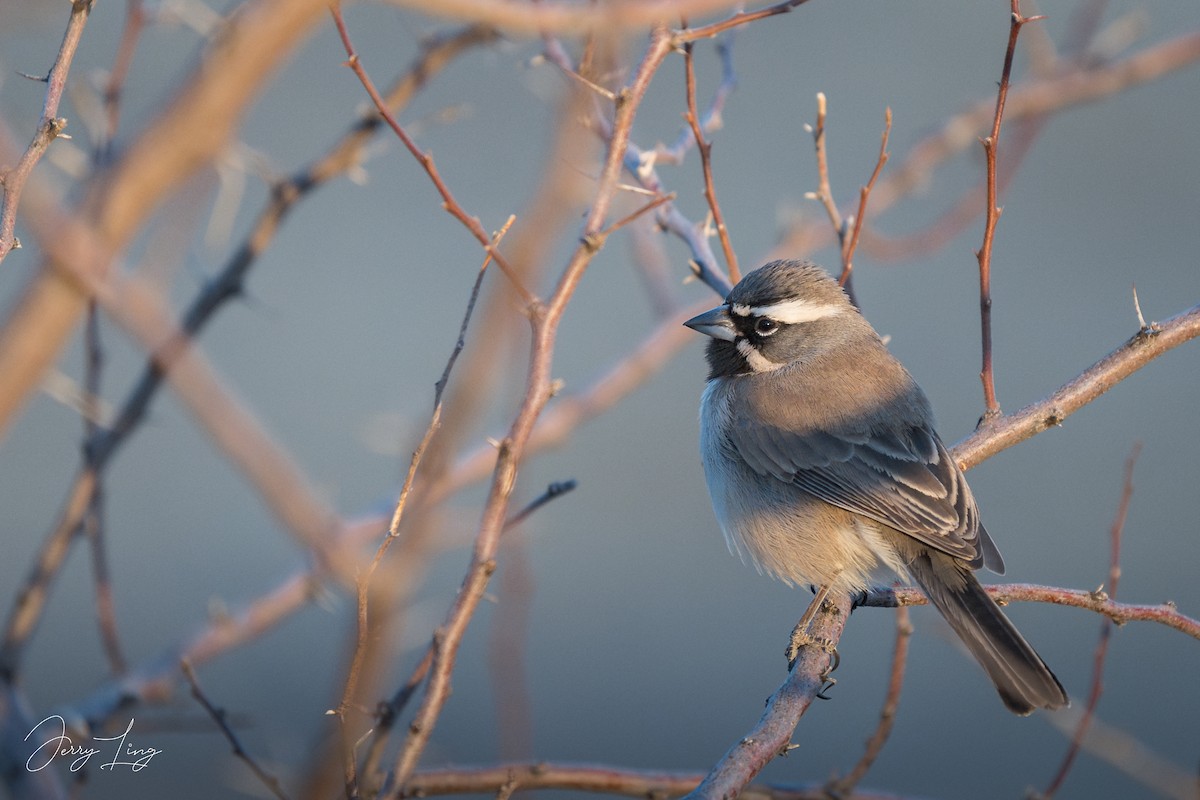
column 903, row 478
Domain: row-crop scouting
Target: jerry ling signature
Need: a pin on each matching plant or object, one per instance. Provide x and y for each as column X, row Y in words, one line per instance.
column 58, row 743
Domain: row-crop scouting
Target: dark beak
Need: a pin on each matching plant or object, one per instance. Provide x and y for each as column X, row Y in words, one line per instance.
column 715, row 323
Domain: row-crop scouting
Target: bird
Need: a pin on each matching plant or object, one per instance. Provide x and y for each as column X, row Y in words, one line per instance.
column 824, row 467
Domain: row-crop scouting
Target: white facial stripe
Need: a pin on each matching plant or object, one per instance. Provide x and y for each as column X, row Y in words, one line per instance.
column 757, row 361
column 740, row 309
column 791, row 312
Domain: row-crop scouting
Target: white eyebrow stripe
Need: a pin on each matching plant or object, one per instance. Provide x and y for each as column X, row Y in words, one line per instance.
column 741, row 309
column 791, row 312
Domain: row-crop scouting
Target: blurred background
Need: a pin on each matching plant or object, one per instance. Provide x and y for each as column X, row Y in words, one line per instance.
column 639, row 642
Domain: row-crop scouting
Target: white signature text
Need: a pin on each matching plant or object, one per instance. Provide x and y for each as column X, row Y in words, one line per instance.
column 57, row 743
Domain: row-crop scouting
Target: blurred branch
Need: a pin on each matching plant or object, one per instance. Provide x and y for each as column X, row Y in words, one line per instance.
column 1131, row 756
column 843, row 786
column 228, row 284
column 93, row 521
column 555, row 16
column 544, row 320
column 49, row 127
column 187, row 133
column 1088, row 81
column 135, row 20
column 1106, row 628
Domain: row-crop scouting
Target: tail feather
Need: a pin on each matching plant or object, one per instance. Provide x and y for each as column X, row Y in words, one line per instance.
column 1021, row 677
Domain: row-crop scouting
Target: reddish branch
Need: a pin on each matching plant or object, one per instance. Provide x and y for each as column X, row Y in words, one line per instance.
column 544, row 319
column 864, row 194
column 451, row 205
column 49, row 128
column 1106, row 627
column 992, row 214
column 1097, row 601
column 704, row 148
column 363, row 627
column 847, row 238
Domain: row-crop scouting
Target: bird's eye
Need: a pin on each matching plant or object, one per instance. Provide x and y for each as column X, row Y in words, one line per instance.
column 765, row 326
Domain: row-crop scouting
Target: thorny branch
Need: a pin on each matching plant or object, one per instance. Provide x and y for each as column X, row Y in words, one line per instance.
column 991, row 144
column 704, row 148
column 451, row 205
column 221, row 719
column 49, row 128
column 226, row 285
column 363, row 627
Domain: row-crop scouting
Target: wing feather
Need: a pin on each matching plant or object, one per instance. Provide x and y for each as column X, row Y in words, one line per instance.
column 903, row 478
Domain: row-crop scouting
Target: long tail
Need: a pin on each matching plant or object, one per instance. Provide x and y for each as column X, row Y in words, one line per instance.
column 1022, row 678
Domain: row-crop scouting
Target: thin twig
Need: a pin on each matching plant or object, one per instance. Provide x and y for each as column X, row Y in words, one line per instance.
column 135, row 20
column 539, row 388
column 226, row 285
column 451, row 205
column 824, row 193
column 860, row 219
column 1089, row 82
column 362, row 641
column 991, row 215
column 737, row 20
column 50, row 126
column 1106, row 627
column 704, row 148
column 219, row 716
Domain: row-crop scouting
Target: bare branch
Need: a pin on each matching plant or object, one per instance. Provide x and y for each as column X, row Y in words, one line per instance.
column 601, row 780
column 185, row 135
column 1120, row 613
column 539, row 387
column 218, row 716
column 991, row 215
column 1114, row 577
column 860, row 219
column 705, row 150
column 49, row 128
column 772, row 735
column 451, row 205
column 363, row 638
column 1051, row 411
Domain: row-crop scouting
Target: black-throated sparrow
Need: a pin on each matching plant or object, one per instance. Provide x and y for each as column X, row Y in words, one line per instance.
column 823, row 465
